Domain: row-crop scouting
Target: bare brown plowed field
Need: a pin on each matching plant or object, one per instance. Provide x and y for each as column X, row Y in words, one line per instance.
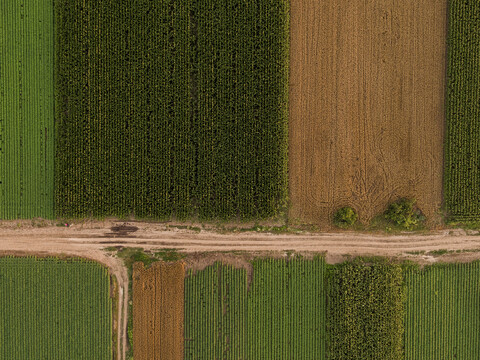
column 158, row 296
column 367, row 82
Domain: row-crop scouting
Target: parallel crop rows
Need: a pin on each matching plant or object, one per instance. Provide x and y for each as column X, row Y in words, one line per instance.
column 54, row 309
column 172, row 108
column 443, row 312
column 365, row 311
column 462, row 146
column 279, row 315
column 124, row 137
column 26, row 109
column 158, row 311
column 240, row 72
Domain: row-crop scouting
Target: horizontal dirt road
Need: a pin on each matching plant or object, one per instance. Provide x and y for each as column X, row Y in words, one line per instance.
column 90, row 239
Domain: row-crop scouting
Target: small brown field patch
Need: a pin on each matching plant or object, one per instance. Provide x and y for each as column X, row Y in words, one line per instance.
column 367, row 83
column 158, row 302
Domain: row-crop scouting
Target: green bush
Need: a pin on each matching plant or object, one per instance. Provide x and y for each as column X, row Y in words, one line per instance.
column 404, row 213
column 345, row 217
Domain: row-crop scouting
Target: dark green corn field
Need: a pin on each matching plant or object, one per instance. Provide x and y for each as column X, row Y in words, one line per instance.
column 171, row 108
column 462, row 140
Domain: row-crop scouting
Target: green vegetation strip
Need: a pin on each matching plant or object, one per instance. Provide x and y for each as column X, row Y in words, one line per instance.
column 172, row 108
column 279, row 315
column 368, row 308
column 443, row 312
column 462, row 143
column 365, row 311
column 54, row 309
column 26, row 109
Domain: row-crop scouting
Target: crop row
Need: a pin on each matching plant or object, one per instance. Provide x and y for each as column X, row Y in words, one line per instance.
column 171, row 109
column 462, row 143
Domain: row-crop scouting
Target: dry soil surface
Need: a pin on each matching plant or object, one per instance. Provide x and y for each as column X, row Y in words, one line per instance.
column 367, row 84
column 90, row 239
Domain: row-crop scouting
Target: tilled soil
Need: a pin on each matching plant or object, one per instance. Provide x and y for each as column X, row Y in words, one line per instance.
column 158, row 298
column 367, row 84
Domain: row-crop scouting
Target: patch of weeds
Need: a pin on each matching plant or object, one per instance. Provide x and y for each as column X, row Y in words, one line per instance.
column 345, row 217
column 289, row 253
column 111, row 248
column 439, row 252
column 404, row 214
column 282, row 229
column 39, row 223
column 133, row 255
column 419, row 252
column 400, row 216
column 467, row 250
column 169, row 255
column 466, row 225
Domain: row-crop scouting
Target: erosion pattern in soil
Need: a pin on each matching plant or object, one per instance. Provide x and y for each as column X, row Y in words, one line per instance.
column 158, row 299
column 367, row 82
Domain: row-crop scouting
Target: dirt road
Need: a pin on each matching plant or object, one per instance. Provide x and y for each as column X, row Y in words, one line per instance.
column 89, row 240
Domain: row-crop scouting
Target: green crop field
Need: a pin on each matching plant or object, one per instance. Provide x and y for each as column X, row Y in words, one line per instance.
column 54, row 309
column 443, row 312
column 279, row 315
column 462, row 144
column 365, row 309
column 171, row 109
column 26, row 109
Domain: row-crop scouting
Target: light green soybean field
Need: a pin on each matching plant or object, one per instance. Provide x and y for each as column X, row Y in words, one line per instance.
column 278, row 314
column 26, row 109
column 54, row 309
column 443, row 312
